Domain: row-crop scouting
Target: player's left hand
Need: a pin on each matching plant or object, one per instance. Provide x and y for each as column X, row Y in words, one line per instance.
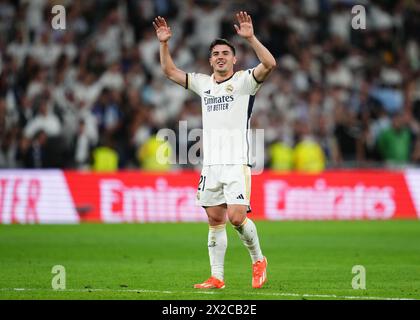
column 245, row 29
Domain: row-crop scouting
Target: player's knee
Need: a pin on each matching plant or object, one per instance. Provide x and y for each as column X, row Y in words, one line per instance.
column 237, row 214
column 237, row 218
column 215, row 221
column 216, row 215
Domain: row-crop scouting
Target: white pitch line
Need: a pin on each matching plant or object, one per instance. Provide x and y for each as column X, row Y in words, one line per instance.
column 281, row 294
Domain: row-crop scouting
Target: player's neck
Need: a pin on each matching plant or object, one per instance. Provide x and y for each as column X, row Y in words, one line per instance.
column 220, row 77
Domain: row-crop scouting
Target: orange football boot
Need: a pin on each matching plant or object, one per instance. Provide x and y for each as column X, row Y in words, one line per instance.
column 259, row 273
column 210, row 283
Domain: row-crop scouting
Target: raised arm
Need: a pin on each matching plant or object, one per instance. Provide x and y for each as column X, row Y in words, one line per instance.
column 246, row 31
column 164, row 33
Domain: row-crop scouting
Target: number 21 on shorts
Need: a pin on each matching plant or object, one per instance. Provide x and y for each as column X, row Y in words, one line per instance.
column 202, row 183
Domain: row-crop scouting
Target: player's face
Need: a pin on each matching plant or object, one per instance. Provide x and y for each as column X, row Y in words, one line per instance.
column 222, row 59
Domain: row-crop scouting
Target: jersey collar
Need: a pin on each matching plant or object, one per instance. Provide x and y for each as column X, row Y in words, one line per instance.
column 220, row 82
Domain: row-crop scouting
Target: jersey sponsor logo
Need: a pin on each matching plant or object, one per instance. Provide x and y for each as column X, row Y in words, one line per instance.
column 217, row 103
column 319, row 199
column 221, row 99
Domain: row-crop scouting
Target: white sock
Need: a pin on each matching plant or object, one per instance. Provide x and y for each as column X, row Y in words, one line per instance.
column 248, row 233
column 217, row 244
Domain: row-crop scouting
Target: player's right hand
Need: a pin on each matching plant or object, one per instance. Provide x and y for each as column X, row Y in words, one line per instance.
column 163, row 32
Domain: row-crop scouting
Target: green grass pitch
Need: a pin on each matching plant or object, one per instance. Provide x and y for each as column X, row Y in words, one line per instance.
column 306, row 260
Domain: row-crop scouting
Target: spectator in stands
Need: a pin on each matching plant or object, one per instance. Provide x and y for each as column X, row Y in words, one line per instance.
column 104, row 156
column 45, row 120
column 328, row 142
column 9, row 150
column 155, row 154
column 281, row 157
column 82, row 146
column 395, row 143
column 308, row 155
column 107, row 112
column 348, row 132
column 35, row 153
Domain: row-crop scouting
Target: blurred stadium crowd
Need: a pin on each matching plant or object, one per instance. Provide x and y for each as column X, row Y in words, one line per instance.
column 93, row 95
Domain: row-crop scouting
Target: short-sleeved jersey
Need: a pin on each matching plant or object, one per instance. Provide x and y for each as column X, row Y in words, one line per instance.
column 226, row 109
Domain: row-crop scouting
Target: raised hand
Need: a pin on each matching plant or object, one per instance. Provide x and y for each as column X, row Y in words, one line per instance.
column 163, row 32
column 245, row 29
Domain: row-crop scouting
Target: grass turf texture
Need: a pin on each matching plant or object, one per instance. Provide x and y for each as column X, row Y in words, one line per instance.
column 163, row 261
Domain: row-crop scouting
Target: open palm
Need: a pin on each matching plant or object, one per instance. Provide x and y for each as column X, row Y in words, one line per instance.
column 163, row 32
column 245, row 29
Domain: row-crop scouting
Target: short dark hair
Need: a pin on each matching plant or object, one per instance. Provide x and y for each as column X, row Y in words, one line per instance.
column 221, row 41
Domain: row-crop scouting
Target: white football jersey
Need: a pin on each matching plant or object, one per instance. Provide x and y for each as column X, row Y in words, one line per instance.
column 226, row 109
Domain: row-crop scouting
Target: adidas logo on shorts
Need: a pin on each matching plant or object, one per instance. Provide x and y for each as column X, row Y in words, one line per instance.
column 240, row 196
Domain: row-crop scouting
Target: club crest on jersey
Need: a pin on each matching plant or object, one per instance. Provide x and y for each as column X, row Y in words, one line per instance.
column 229, row 88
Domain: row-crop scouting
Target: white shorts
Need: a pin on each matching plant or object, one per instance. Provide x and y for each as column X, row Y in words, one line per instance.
column 224, row 183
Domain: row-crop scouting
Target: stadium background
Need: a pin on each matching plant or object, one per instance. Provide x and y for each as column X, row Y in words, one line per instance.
column 80, row 108
column 91, row 98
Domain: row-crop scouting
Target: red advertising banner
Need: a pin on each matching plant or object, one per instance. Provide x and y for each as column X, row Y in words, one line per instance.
column 35, row 196
column 141, row 197
column 136, row 197
column 54, row 196
column 337, row 195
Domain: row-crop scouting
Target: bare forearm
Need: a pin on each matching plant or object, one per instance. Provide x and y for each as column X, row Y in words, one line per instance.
column 168, row 66
column 246, row 31
column 166, row 61
column 268, row 63
column 265, row 56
